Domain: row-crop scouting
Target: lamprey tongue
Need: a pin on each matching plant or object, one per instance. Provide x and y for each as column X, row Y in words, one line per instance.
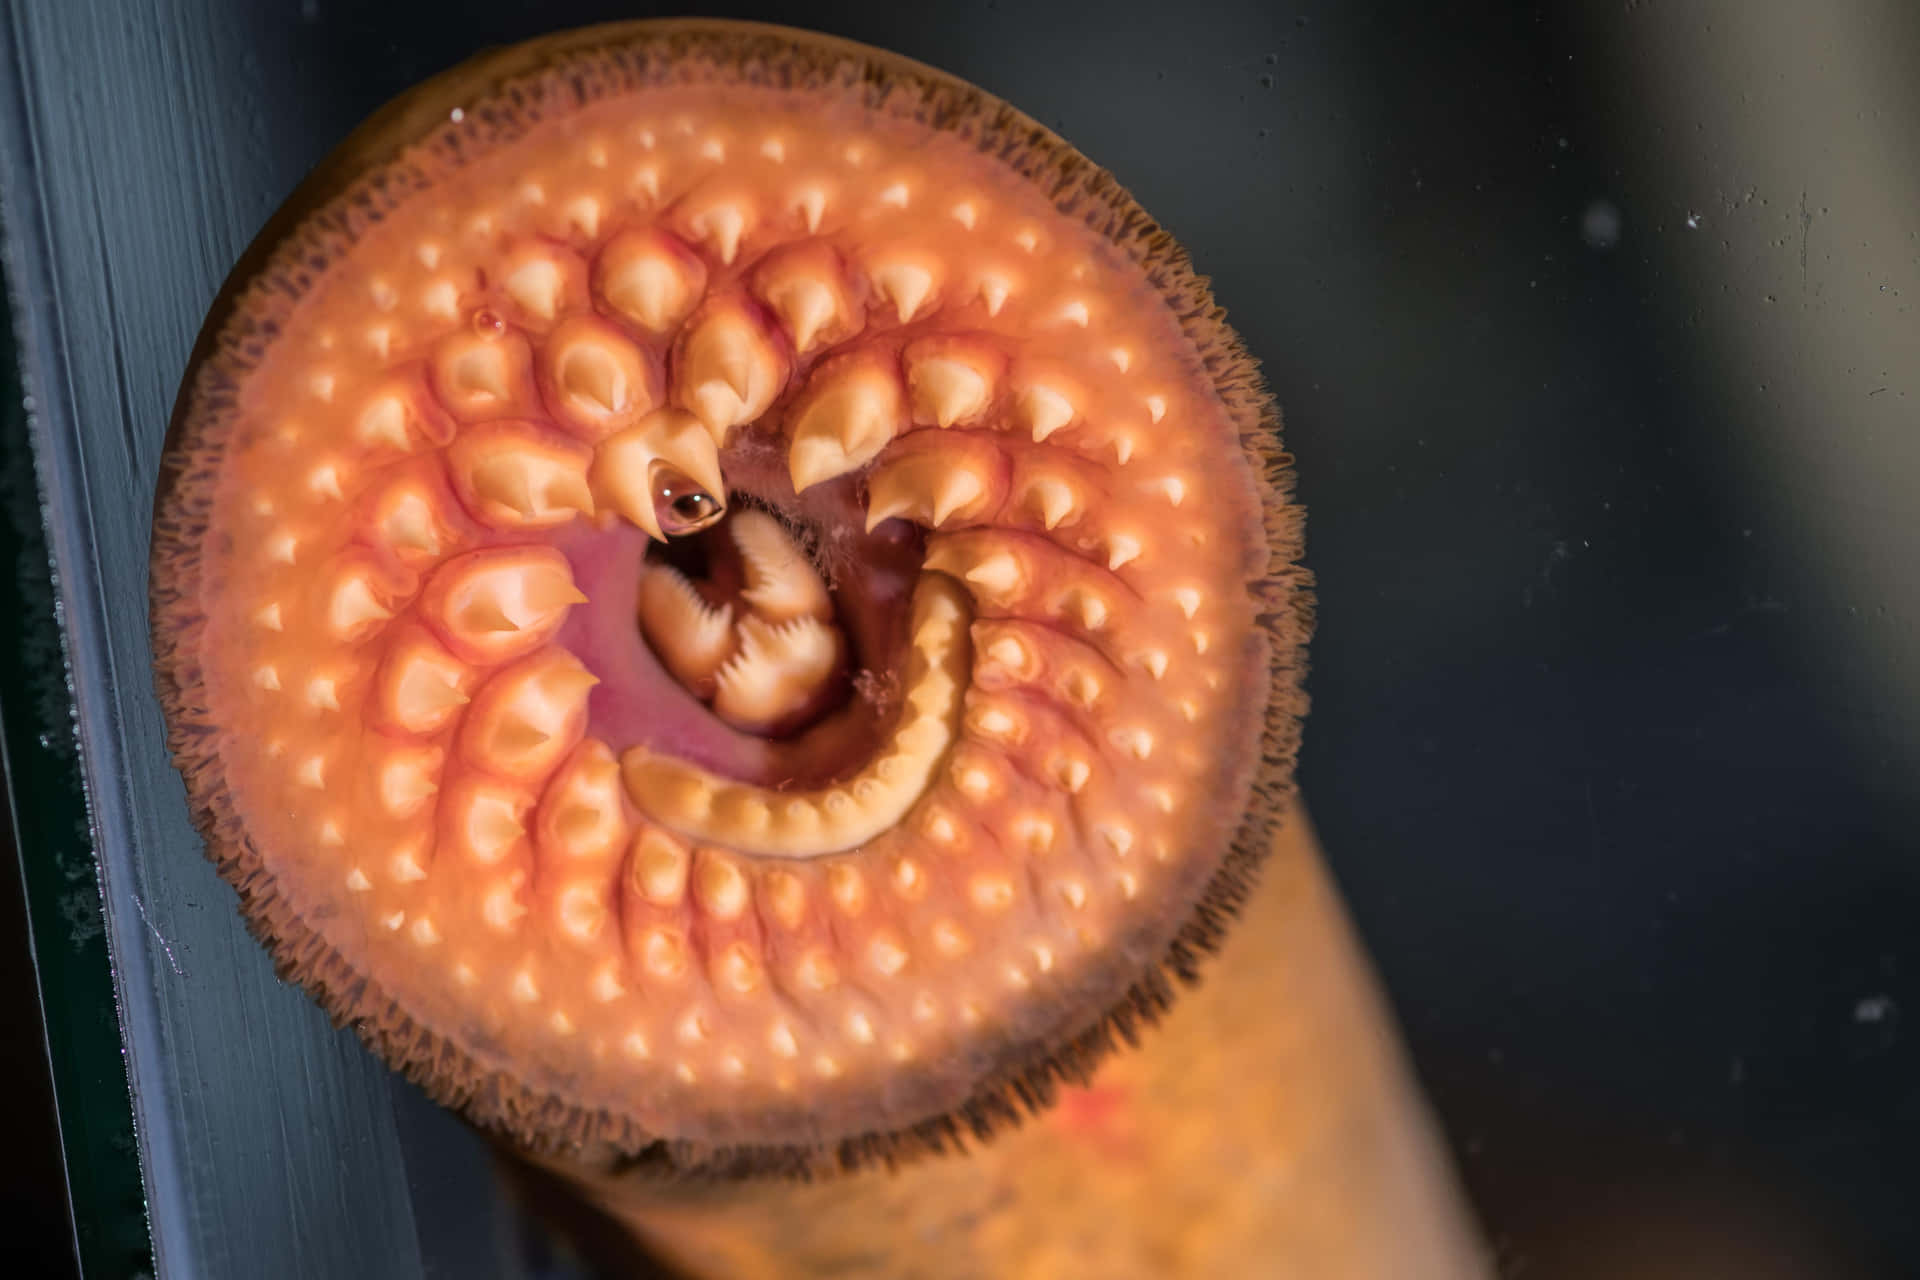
column 734, row 593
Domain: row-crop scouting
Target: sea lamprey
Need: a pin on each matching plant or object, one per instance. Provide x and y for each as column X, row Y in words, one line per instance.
column 728, row 603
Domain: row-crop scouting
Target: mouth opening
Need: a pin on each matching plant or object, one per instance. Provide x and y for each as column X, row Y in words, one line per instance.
column 763, row 644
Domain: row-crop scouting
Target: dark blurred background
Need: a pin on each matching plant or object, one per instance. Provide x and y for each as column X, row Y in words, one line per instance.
column 1593, row 325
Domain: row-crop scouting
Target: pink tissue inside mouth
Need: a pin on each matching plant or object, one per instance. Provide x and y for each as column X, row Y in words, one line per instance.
column 639, row 703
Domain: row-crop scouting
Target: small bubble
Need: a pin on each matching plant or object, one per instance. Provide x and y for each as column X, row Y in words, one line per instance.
column 487, row 324
column 458, row 115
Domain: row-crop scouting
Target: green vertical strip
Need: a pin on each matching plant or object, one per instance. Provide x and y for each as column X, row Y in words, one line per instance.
column 57, row 867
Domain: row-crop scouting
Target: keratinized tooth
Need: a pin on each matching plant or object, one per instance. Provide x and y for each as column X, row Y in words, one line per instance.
column 414, row 514
column 719, row 215
column 401, row 413
column 691, row 636
column 805, row 285
column 908, row 277
column 498, row 603
column 420, row 686
column 951, row 378
column 516, row 475
column 626, row 467
column 363, row 594
column 1047, row 399
column 480, row 376
column 543, row 280
column 1052, row 497
column 657, row 865
column 852, row 406
column 791, row 824
column 651, row 277
column 728, row 364
column 594, row 379
column 406, row 776
column 484, row 820
column 778, row 672
column 949, row 480
column 994, row 571
column 781, row 583
column 527, row 716
column 582, row 820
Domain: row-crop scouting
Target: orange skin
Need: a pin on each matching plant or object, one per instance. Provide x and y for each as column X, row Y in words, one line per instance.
column 579, row 299
column 1267, row 1129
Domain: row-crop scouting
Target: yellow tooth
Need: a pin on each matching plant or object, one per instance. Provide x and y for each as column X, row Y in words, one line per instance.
column 1047, row 411
column 1053, row 499
column 927, row 487
column 1121, row 549
column 650, row 279
column 723, row 225
column 692, row 637
column 946, row 390
column 536, row 286
column 355, row 610
column 728, row 371
column 384, row 421
column 806, row 306
column 781, row 583
column 623, row 464
column 1000, row 574
column 906, row 284
column 505, row 481
column 846, row 424
column 486, row 613
column 776, row 672
column 410, row 527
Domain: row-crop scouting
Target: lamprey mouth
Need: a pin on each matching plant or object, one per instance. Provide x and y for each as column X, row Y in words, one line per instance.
column 732, row 601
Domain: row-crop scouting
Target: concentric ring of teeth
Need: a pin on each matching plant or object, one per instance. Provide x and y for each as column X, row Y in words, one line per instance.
column 793, row 824
column 399, row 655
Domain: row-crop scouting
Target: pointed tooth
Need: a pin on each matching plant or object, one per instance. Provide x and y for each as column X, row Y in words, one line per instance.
column 503, row 481
column 651, row 278
column 851, row 409
column 355, row 608
column 804, row 285
column 548, row 592
column 501, row 602
column 410, row 526
column 1052, row 499
column 906, row 277
column 1047, row 410
column 596, row 380
column 514, row 475
column 623, row 465
column 1121, row 549
column 950, row 379
column 692, row 637
column 777, row 671
column 482, row 377
column 955, row 490
column 728, row 366
column 529, row 715
column 485, row 613
column 999, row 574
column 781, row 582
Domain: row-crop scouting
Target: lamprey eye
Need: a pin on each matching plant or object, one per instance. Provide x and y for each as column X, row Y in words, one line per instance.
column 681, row 505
